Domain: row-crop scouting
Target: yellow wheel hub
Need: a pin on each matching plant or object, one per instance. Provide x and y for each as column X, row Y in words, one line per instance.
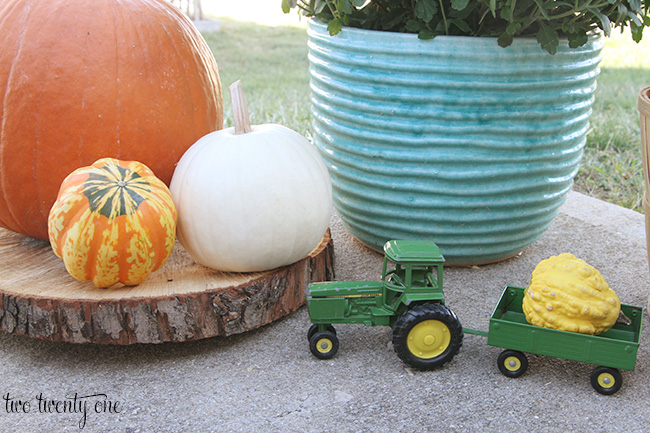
column 428, row 339
column 606, row 380
column 512, row 363
column 324, row 345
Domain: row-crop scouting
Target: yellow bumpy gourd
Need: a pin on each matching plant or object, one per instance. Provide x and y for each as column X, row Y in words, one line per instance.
column 568, row 294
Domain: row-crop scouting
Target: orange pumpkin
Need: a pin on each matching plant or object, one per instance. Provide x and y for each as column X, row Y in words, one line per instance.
column 85, row 79
column 113, row 222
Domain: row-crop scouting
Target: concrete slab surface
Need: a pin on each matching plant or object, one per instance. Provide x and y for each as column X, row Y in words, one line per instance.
column 268, row 381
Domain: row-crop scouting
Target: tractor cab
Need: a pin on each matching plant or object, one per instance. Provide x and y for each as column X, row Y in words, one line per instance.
column 412, row 271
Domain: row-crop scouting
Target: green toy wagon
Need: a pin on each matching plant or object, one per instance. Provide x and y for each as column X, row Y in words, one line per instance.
column 612, row 350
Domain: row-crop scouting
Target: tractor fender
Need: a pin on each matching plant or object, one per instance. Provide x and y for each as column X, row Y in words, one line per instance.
column 411, row 299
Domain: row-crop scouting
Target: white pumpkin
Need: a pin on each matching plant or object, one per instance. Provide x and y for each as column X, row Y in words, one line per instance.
column 251, row 198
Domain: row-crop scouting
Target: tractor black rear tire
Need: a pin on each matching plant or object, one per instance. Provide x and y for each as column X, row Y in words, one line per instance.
column 427, row 336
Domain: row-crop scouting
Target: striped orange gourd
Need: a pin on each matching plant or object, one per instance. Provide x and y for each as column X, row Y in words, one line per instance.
column 113, row 222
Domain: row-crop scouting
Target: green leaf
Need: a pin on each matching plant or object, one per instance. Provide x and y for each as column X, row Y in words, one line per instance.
column 634, row 18
column 344, row 6
column 414, row 26
column 320, row 6
column 505, row 40
column 542, row 8
column 637, row 33
column 440, row 28
column 334, row 26
column 513, row 28
column 569, row 28
column 426, row 34
column 287, row 5
column 635, row 5
column 461, row 25
column 425, row 10
column 577, row 39
column 606, row 24
column 393, row 21
column 548, row 38
column 459, row 5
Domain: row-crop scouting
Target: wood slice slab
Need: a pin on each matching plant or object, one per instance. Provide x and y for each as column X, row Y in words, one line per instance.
column 181, row 301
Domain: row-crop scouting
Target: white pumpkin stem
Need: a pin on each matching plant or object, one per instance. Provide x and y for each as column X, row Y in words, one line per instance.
column 240, row 116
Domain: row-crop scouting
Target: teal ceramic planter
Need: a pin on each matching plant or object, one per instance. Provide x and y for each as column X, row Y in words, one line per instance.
column 453, row 139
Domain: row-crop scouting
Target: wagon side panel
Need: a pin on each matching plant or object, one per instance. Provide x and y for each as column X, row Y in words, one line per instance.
column 510, row 330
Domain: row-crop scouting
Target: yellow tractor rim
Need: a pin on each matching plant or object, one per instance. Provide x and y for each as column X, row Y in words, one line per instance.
column 324, row 345
column 428, row 339
column 512, row 363
column 606, row 380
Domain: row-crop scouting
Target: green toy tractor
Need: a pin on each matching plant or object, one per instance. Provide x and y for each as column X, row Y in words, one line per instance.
column 409, row 298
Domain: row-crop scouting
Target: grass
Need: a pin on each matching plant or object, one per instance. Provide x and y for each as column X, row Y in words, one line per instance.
column 272, row 64
column 612, row 169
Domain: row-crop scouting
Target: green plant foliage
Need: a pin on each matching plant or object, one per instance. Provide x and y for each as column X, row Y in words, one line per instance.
column 546, row 20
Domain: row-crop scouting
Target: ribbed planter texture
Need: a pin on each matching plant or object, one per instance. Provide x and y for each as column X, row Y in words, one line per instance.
column 453, row 139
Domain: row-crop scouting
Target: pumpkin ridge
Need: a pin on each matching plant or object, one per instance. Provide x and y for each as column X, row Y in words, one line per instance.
column 7, row 215
column 181, row 65
column 157, row 228
column 118, row 84
column 134, row 264
column 66, row 209
column 80, row 259
column 104, row 267
column 202, row 54
column 166, row 220
column 40, row 125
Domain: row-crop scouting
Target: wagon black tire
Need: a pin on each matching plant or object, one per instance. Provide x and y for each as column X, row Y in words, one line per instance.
column 314, row 329
column 606, row 380
column 324, row 344
column 512, row 363
column 427, row 336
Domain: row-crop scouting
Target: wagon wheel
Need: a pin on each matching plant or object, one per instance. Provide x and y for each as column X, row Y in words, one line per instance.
column 606, row 380
column 512, row 363
column 324, row 344
column 427, row 336
column 314, row 329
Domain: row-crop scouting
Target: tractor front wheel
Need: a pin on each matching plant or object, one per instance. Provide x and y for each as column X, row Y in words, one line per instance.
column 314, row 329
column 324, row 344
column 427, row 336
